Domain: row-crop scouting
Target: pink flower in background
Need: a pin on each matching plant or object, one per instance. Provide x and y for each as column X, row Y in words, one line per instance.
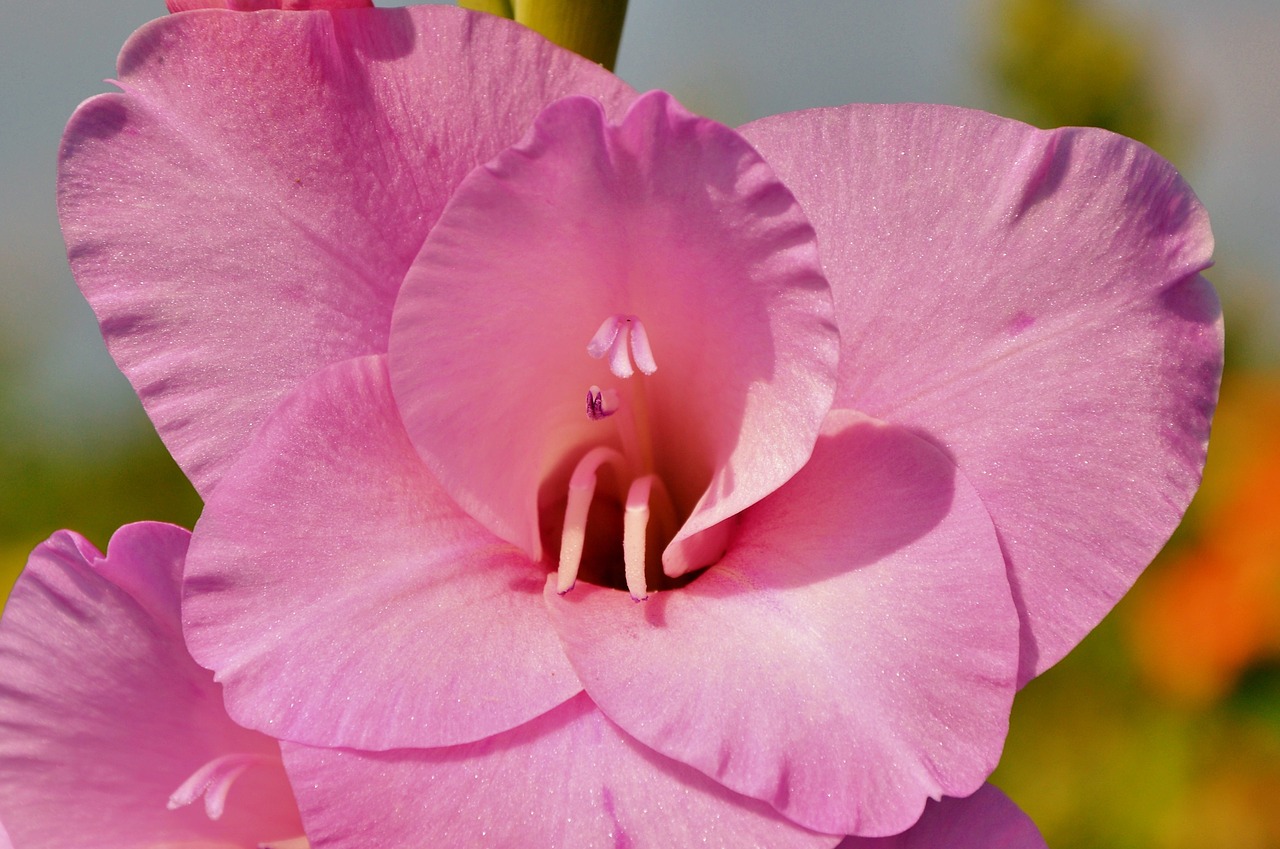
column 468, row 346
column 110, row 734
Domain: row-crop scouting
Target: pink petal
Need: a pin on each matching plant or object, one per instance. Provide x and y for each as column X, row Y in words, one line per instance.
column 343, row 600
column 852, row 655
column 985, row 820
column 568, row 778
column 666, row 217
column 243, row 214
column 1030, row 301
column 103, row 714
column 259, row 5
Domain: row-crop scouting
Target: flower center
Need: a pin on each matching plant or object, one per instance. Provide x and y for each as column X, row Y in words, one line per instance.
column 623, row 339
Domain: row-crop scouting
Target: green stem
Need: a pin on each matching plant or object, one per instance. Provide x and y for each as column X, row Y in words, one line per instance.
column 591, row 28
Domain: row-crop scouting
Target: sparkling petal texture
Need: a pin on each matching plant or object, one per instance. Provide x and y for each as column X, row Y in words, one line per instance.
column 853, row 652
column 1031, row 302
column 985, row 820
column 665, row 216
column 362, row 608
column 569, row 778
column 239, row 223
column 103, row 714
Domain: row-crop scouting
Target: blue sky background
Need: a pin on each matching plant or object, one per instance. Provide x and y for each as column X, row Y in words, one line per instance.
column 731, row 59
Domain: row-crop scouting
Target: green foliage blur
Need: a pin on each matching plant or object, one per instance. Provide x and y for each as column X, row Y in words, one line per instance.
column 106, row 480
column 1061, row 63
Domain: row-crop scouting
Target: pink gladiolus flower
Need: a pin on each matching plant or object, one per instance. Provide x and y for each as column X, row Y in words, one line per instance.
column 470, row 348
column 110, row 734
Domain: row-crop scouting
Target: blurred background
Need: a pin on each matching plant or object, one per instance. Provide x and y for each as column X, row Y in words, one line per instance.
column 1163, row 729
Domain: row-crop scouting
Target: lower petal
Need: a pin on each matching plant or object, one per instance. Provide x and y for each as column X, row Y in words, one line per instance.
column 851, row 656
column 568, row 778
column 343, row 599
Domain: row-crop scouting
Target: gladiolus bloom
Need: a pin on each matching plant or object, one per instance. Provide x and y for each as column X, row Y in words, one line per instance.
column 647, row 479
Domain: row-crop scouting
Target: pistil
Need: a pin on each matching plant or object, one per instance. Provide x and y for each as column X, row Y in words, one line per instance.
column 213, row 781
column 601, row 403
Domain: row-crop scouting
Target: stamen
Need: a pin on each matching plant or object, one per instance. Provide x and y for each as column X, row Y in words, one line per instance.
column 635, row 523
column 601, row 403
column 613, row 338
column 582, row 488
column 213, row 781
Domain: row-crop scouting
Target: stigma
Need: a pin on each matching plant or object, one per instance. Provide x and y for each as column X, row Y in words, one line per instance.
column 212, row 782
column 618, row 333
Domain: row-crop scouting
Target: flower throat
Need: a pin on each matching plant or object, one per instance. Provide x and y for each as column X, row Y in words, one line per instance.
column 623, row 339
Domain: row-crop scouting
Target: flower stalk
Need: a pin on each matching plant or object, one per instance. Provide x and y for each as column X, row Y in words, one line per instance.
column 590, row 28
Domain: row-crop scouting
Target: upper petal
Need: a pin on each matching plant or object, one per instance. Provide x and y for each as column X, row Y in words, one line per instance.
column 344, row 600
column 569, row 778
column 667, row 217
column 243, row 213
column 1029, row 300
column 985, row 820
column 103, row 714
column 852, row 655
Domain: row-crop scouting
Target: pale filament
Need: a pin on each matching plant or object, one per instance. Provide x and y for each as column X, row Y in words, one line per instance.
column 213, row 781
column 635, row 524
column 582, row 489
